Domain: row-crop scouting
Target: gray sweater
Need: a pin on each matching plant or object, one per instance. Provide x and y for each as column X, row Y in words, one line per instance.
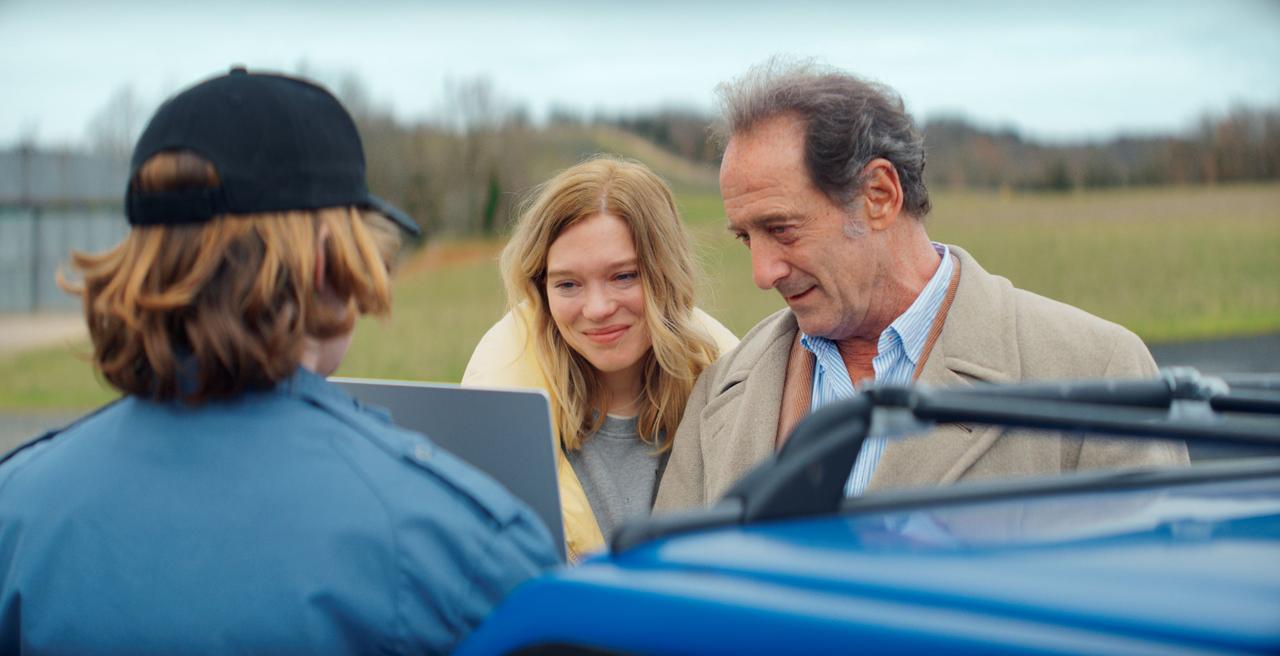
column 617, row 471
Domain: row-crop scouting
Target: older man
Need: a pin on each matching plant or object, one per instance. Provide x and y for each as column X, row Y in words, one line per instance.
column 823, row 180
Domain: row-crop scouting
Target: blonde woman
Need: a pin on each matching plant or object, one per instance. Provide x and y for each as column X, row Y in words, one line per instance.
column 600, row 284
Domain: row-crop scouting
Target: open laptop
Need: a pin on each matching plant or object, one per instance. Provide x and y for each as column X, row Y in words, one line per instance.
column 504, row 433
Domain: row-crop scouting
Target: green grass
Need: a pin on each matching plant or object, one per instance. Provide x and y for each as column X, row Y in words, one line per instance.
column 438, row 318
column 1169, row 263
column 51, row 379
column 703, row 208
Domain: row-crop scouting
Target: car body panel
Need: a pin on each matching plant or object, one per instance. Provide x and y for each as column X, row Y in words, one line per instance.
column 1175, row 568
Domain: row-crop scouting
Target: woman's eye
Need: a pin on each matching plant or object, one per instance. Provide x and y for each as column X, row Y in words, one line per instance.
column 629, row 276
column 564, row 285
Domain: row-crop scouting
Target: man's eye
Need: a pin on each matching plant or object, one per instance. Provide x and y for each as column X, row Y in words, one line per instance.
column 780, row 231
column 743, row 237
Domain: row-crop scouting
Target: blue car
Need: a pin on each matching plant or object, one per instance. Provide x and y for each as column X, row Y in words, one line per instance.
column 1153, row 562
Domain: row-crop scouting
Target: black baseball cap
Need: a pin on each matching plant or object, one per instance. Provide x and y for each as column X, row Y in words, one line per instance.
column 278, row 143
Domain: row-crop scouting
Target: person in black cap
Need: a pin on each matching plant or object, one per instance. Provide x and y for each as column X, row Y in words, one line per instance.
column 233, row 500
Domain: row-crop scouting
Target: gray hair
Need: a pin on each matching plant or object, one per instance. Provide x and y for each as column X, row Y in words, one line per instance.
column 848, row 122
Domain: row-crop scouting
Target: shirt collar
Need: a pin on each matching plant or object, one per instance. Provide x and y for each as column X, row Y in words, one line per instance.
column 305, row 383
column 912, row 327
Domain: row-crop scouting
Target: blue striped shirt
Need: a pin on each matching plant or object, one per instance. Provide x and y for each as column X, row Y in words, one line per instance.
column 898, row 354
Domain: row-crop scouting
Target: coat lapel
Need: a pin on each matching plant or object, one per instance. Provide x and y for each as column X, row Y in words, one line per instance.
column 742, row 415
column 978, row 342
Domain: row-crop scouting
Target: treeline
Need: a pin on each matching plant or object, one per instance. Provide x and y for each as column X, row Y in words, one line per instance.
column 1242, row 145
column 465, row 168
column 462, row 172
column 683, row 132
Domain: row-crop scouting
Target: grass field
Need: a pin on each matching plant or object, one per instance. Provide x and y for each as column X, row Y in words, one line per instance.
column 1169, row 263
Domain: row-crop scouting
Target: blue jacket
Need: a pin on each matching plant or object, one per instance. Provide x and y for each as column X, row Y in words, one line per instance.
column 286, row 521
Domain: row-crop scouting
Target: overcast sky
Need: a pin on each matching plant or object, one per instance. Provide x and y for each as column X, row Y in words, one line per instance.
column 1062, row 71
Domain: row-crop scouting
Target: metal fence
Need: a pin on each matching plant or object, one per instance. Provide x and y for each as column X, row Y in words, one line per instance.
column 31, row 177
column 34, row 242
column 53, row 202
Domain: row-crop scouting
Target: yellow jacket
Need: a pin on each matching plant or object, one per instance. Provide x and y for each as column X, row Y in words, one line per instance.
column 504, row 358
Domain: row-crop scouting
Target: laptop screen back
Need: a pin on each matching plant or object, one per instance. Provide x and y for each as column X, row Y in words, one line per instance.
column 504, row 433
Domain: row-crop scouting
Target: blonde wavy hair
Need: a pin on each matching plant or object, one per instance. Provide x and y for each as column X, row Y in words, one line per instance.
column 207, row 311
column 680, row 349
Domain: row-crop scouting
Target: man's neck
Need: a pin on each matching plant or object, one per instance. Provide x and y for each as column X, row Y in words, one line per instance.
column 322, row 356
column 858, row 354
column 912, row 265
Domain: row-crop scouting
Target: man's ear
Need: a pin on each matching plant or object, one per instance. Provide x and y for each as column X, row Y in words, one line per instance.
column 881, row 193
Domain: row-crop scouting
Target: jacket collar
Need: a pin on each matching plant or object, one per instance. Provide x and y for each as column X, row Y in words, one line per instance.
column 765, row 355
column 314, row 388
column 979, row 338
column 978, row 343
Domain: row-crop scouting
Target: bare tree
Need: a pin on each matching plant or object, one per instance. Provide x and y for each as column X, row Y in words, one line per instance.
column 115, row 127
column 485, row 155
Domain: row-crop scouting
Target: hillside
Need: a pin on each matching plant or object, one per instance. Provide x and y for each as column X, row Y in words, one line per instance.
column 560, row 147
column 464, row 183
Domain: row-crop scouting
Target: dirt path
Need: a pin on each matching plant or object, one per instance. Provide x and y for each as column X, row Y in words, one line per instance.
column 19, row 332
column 22, row 331
column 439, row 256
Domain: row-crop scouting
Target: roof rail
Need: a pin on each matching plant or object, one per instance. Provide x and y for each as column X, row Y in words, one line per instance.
column 807, row 476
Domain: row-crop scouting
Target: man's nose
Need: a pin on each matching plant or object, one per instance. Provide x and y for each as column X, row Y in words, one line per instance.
column 599, row 303
column 767, row 266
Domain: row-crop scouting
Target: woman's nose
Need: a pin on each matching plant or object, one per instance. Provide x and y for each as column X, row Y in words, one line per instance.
column 599, row 304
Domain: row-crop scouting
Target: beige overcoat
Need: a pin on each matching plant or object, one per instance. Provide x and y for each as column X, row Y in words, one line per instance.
column 993, row 332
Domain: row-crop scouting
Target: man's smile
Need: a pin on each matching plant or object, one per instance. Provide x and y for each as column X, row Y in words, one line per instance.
column 796, row 297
